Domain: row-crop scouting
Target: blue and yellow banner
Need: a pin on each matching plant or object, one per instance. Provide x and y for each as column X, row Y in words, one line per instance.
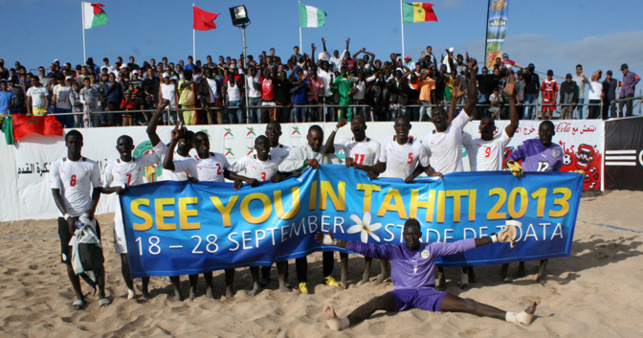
column 179, row 228
column 496, row 29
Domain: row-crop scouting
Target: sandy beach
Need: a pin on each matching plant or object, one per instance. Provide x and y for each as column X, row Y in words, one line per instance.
column 594, row 293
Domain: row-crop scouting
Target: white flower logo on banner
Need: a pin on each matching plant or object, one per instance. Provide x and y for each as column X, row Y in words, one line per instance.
column 364, row 227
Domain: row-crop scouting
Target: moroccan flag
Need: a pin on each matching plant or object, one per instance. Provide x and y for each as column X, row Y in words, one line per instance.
column 203, row 21
column 7, row 129
column 24, row 125
column 418, row 12
column 94, row 15
column 310, row 16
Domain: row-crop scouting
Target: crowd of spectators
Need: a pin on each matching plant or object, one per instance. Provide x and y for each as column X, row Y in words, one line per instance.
column 302, row 88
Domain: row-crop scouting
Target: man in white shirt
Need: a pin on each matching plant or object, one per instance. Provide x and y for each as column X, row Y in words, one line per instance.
column 210, row 167
column 445, row 145
column 401, row 156
column 37, row 102
column 261, row 166
column 298, row 160
column 486, row 153
column 123, row 172
column 75, row 184
column 360, row 150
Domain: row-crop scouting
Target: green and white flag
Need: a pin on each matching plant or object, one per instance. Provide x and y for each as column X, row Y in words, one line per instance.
column 310, row 16
column 93, row 15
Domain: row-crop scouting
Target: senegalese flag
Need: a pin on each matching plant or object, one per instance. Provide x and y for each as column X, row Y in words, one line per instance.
column 310, row 16
column 418, row 12
column 93, row 15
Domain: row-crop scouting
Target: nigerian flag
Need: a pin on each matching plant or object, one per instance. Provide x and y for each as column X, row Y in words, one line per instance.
column 310, row 16
column 93, row 15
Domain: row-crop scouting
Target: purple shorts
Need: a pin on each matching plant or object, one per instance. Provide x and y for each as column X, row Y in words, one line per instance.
column 425, row 299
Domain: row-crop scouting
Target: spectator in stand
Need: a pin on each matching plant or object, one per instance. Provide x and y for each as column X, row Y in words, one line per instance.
column 187, row 98
column 190, row 65
column 520, row 92
column 114, row 94
column 128, row 103
column 150, row 89
column 209, row 91
column 549, row 87
column 107, row 66
column 168, row 92
column 315, row 89
column 76, row 105
column 630, row 79
column 495, row 101
column 507, row 63
column 427, row 93
column 37, row 103
column 595, row 95
column 7, row 99
column 532, row 90
column 268, row 96
column 609, row 95
column 253, row 82
column 568, row 98
column 61, row 102
column 89, row 97
column 234, row 97
column 282, row 96
column 20, row 99
column 300, row 95
column 580, row 80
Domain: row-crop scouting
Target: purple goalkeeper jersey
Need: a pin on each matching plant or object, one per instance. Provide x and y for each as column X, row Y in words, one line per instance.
column 536, row 157
column 412, row 269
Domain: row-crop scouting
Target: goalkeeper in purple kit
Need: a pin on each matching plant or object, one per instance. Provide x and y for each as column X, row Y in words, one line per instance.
column 412, row 272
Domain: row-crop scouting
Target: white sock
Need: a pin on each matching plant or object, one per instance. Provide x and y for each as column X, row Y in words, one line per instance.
column 131, row 294
column 338, row 323
column 522, row 317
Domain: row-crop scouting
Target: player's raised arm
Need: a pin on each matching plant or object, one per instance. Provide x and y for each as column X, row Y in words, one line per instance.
column 473, row 90
column 509, row 89
column 154, row 121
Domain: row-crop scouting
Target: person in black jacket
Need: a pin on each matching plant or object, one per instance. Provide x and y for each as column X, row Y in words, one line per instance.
column 532, row 89
column 568, row 98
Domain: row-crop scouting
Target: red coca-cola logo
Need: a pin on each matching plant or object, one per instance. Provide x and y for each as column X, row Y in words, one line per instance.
column 563, row 127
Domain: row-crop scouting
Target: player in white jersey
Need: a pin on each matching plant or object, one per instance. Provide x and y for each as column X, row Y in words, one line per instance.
column 262, row 167
column 486, row 153
column 126, row 171
column 75, row 184
column 401, row 156
column 183, row 148
column 299, row 159
column 359, row 150
column 210, row 167
column 445, row 145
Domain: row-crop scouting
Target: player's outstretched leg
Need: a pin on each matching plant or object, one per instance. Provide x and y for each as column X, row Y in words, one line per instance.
column 451, row 303
column 384, row 302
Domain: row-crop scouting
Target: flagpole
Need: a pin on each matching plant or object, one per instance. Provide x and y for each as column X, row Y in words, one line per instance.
column 402, row 24
column 300, row 39
column 193, row 40
column 82, row 23
column 486, row 28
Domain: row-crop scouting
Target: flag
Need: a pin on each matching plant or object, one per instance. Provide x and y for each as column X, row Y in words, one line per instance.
column 24, row 125
column 310, row 16
column 7, row 129
column 418, row 12
column 93, row 15
column 497, row 12
column 203, row 21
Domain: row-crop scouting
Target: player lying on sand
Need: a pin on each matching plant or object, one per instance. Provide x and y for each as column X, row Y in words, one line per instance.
column 412, row 271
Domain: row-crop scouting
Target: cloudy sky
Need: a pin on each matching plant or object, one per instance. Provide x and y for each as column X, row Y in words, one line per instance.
column 553, row 34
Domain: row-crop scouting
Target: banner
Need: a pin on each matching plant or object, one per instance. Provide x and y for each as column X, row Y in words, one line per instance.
column 624, row 153
column 179, row 228
column 496, row 29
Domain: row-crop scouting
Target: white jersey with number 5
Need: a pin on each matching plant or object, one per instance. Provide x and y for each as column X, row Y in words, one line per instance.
column 76, row 181
column 402, row 159
column 486, row 155
column 210, row 169
column 366, row 152
column 257, row 169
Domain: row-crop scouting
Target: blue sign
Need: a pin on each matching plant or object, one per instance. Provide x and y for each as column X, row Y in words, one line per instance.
column 180, row 228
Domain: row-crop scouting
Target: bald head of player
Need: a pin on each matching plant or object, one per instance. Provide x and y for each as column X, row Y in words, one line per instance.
column 402, row 127
column 546, row 132
column 358, row 127
column 315, row 137
column 487, row 128
column 440, row 119
column 74, row 144
column 412, row 234
column 273, row 131
column 262, row 148
column 124, row 146
column 202, row 144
